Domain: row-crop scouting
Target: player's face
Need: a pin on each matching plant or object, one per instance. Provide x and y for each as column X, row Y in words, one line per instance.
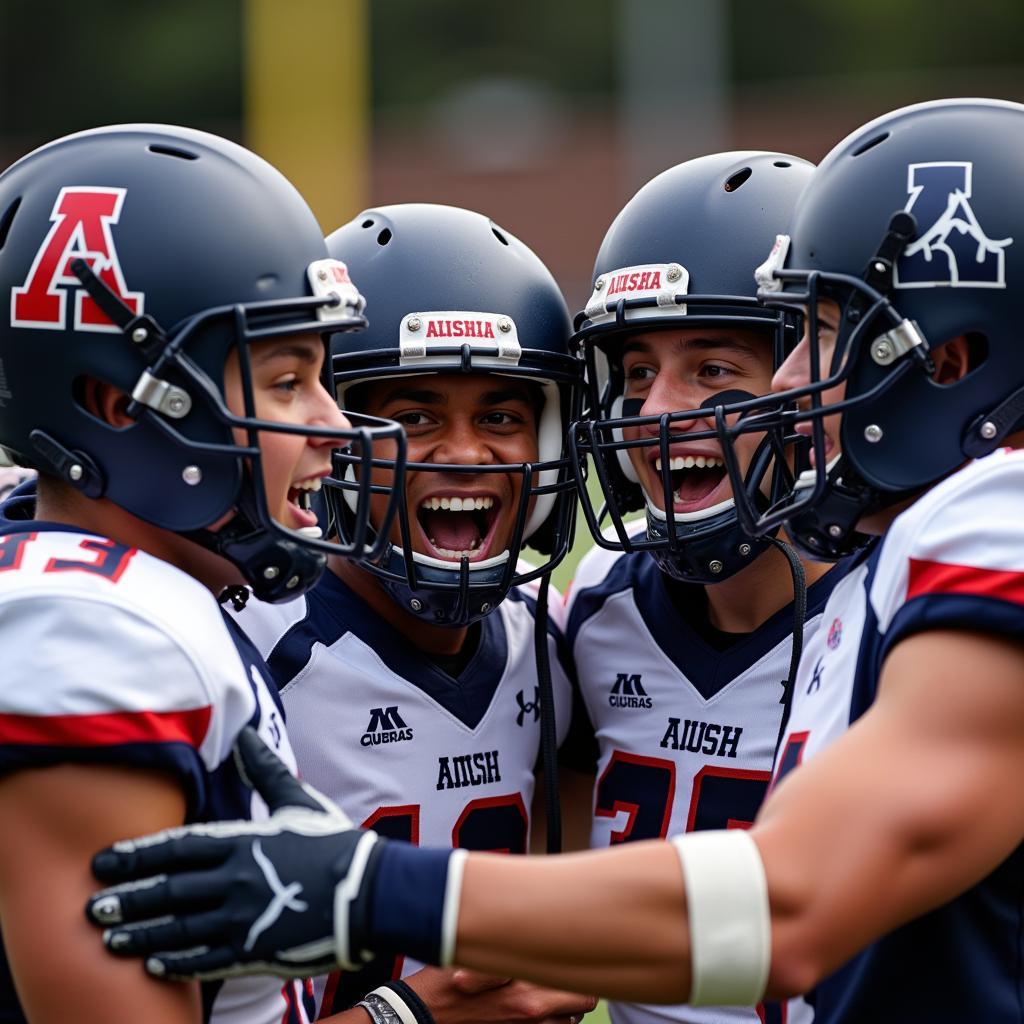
column 464, row 420
column 287, row 389
column 795, row 372
column 679, row 369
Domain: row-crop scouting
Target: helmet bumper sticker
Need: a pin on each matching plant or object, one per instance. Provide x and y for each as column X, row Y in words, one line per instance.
column 81, row 219
column 663, row 283
column 439, row 335
column 765, row 274
column 952, row 249
column 329, row 279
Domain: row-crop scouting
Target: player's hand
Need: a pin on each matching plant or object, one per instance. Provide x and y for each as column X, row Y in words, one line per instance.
column 285, row 896
column 462, row 996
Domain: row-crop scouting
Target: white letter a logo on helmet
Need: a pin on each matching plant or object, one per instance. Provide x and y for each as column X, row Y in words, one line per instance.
column 81, row 218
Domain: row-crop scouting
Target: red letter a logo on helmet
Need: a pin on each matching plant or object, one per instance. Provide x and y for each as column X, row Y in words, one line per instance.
column 81, row 228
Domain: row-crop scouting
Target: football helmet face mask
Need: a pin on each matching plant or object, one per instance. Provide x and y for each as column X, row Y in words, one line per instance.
column 131, row 256
column 906, row 234
column 679, row 256
column 453, row 294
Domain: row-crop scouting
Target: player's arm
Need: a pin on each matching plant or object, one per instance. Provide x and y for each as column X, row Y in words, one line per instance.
column 912, row 806
column 927, row 776
column 52, row 820
column 924, row 777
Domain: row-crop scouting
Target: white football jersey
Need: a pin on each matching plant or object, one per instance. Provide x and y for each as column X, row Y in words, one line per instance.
column 686, row 733
column 399, row 744
column 112, row 656
column 953, row 560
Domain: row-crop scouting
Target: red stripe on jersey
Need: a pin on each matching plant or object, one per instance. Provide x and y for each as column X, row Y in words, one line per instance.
column 946, row 578
column 106, row 730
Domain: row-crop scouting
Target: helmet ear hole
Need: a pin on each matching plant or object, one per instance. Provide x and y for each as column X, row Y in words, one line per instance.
column 959, row 357
column 737, row 179
column 179, row 154
column 384, row 237
column 870, row 144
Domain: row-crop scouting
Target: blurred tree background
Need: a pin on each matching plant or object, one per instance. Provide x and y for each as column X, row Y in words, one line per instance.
column 544, row 114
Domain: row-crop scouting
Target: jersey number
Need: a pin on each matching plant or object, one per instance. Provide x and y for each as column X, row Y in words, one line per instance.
column 720, row 798
column 644, row 788
column 105, row 557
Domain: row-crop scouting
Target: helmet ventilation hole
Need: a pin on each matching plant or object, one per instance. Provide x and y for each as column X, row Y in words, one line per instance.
column 367, row 224
column 782, row 163
column 498, row 235
column 180, row 154
column 737, row 179
column 384, row 237
column 870, row 144
column 7, row 220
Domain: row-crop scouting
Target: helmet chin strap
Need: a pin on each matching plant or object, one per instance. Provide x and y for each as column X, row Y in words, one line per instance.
column 275, row 567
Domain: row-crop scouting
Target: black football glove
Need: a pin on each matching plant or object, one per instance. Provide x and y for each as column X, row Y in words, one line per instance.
column 288, row 896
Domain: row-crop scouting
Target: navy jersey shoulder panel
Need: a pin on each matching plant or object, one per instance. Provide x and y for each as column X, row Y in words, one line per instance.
column 976, row 613
column 333, row 610
column 869, row 656
column 178, row 759
column 627, row 572
column 250, row 656
column 961, row 962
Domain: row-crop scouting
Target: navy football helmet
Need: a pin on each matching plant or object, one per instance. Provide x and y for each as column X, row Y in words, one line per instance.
column 450, row 292
column 141, row 256
column 909, row 228
column 680, row 254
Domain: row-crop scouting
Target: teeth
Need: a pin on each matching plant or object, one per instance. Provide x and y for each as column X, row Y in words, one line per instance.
column 309, row 485
column 691, row 462
column 455, row 555
column 457, row 504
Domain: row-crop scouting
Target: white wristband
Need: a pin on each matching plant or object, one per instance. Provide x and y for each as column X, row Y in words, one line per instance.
column 395, row 1002
column 450, row 909
column 729, row 916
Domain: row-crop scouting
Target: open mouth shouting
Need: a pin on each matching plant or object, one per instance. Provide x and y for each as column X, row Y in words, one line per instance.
column 698, row 481
column 300, row 506
column 457, row 526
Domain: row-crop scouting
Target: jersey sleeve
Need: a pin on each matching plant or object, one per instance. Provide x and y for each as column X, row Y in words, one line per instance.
column 97, row 682
column 959, row 563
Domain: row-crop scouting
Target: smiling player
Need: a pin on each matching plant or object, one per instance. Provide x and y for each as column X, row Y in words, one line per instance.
column 680, row 625
column 162, row 353
column 410, row 681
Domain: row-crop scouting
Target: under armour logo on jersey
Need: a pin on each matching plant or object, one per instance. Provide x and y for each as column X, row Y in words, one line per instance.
column 528, row 707
column 628, row 692
column 815, row 683
column 81, row 216
column 952, row 249
column 285, row 897
column 386, row 726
